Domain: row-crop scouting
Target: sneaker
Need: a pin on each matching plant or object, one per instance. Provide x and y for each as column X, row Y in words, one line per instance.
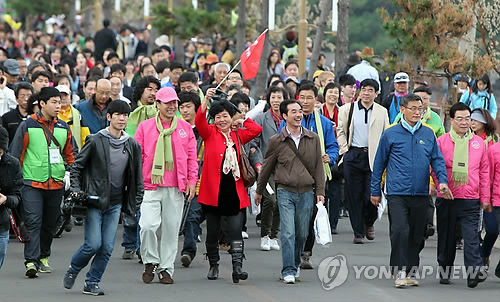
column 244, row 235
column 297, row 274
column 149, row 272
column 128, row 255
column 289, row 279
column 460, row 245
column 31, row 270
column 430, row 230
column 357, row 240
column 273, row 243
column 186, row 260
column 306, row 262
column 334, row 231
column 79, row 221
column 370, row 232
column 265, row 243
column 92, row 289
column 44, row 266
column 411, row 281
column 486, row 263
column 69, row 279
column 401, row 279
column 198, row 239
column 346, row 213
column 165, row 278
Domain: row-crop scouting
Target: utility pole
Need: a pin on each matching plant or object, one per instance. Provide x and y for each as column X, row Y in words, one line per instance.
column 302, row 37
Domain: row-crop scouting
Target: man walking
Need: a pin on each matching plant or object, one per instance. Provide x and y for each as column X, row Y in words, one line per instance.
column 170, row 168
column 43, row 144
column 406, row 150
column 295, row 157
column 468, row 173
column 109, row 166
column 361, row 124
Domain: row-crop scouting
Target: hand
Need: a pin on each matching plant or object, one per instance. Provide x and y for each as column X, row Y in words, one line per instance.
column 375, row 200
column 258, row 168
column 237, row 124
column 486, row 206
column 3, row 199
column 443, row 188
column 3, row 82
column 257, row 198
column 209, row 95
column 190, row 191
column 252, row 150
column 320, row 198
column 66, row 181
column 325, row 158
column 432, row 189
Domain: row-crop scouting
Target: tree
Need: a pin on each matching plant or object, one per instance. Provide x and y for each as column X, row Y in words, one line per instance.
column 326, row 8
column 241, row 28
column 488, row 26
column 342, row 45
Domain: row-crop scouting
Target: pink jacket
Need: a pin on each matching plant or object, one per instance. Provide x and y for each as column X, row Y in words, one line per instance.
column 478, row 186
column 183, row 148
column 494, row 157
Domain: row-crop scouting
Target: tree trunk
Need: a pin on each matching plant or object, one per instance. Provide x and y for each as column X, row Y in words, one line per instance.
column 70, row 21
column 342, row 44
column 261, row 80
column 326, row 8
column 107, row 10
column 178, row 43
column 241, row 28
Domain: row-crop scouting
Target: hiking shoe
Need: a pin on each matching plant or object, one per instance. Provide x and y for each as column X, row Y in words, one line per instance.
column 273, row 243
column 44, row 266
column 306, row 262
column 289, row 279
column 69, row 279
column 92, row 289
column 186, row 260
column 149, row 272
column 165, row 278
column 31, row 270
column 370, row 232
column 401, row 279
column 265, row 243
column 244, row 235
column 128, row 255
column 411, row 281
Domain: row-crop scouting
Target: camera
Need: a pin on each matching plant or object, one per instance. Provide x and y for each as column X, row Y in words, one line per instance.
column 76, row 204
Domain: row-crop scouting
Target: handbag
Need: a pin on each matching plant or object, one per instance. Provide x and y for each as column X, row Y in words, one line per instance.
column 247, row 172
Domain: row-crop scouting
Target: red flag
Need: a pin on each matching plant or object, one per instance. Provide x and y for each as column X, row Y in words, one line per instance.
column 250, row 58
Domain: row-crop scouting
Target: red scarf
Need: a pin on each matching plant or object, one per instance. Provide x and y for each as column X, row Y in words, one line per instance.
column 276, row 118
column 335, row 117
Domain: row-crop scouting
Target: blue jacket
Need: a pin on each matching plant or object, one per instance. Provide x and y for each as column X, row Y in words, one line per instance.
column 481, row 99
column 407, row 159
column 96, row 119
column 331, row 145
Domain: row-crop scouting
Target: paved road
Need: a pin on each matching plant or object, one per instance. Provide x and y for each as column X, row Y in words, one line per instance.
column 122, row 280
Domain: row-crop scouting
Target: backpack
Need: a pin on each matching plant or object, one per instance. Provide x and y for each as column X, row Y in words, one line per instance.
column 290, row 51
column 486, row 101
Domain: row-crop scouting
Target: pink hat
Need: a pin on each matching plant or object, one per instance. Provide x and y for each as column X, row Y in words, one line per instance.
column 166, row 94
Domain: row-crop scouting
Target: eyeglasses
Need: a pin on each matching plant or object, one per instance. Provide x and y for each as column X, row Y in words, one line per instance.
column 415, row 109
column 462, row 119
column 234, row 78
column 24, row 96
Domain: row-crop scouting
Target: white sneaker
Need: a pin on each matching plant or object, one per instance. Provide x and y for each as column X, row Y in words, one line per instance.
column 297, row 274
column 265, row 243
column 274, row 244
column 244, row 235
column 289, row 279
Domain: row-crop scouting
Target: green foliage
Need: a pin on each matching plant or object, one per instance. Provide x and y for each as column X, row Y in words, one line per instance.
column 37, row 7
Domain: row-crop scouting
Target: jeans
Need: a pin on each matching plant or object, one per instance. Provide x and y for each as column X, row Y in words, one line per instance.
column 42, row 209
column 192, row 228
column 131, row 232
column 4, row 242
column 295, row 216
column 492, row 229
column 100, row 234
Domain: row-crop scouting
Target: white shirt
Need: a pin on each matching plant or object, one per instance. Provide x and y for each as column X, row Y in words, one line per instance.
column 296, row 139
column 364, row 71
column 7, row 100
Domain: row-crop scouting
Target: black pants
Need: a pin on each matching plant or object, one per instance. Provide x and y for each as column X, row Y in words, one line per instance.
column 357, row 175
column 270, row 218
column 407, row 221
column 465, row 213
column 232, row 227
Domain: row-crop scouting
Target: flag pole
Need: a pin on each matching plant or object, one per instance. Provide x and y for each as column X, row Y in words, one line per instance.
column 227, row 75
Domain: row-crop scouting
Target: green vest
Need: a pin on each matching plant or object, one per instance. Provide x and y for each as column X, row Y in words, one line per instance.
column 36, row 164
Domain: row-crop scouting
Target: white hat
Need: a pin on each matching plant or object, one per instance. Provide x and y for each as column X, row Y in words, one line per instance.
column 162, row 40
column 401, row 77
column 63, row 89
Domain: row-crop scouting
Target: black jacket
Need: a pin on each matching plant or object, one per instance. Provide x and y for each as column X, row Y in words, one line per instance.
column 91, row 173
column 11, row 121
column 11, row 183
column 104, row 39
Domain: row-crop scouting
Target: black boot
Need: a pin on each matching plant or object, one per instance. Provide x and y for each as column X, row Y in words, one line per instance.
column 237, row 254
column 213, row 259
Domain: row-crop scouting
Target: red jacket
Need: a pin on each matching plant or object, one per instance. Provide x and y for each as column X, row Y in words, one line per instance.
column 215, row 146
column 494, row 158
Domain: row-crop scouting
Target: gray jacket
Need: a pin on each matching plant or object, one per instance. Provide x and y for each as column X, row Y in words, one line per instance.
column 268, row 129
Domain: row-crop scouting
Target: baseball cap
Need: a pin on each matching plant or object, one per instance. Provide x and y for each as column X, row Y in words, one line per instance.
column 401, row 77
column 63, row 89
column 212, row 59
column 317, row 73
column 293, row 79
column 11, row 67
column 477, row 115
column 166, row 94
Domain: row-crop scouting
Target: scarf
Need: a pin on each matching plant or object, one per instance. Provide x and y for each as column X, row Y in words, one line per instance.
column 164, row 158
column 231, row 160
column 319, row 127
column 140, row 114
column 460, row 167
column 407, row 126
column 276, row 118
column 427, row 114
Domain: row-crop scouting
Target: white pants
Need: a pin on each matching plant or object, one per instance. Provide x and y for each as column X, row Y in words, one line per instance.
column 161, row 209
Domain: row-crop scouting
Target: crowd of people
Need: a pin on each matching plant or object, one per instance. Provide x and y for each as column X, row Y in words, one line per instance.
column 164, row 139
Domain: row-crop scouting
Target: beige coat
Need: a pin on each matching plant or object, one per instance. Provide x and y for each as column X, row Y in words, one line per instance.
column 378, row 122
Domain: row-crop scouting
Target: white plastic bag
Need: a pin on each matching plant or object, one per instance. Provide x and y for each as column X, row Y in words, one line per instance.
column 322, row 229
column 382, row 205
column 251, row 191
